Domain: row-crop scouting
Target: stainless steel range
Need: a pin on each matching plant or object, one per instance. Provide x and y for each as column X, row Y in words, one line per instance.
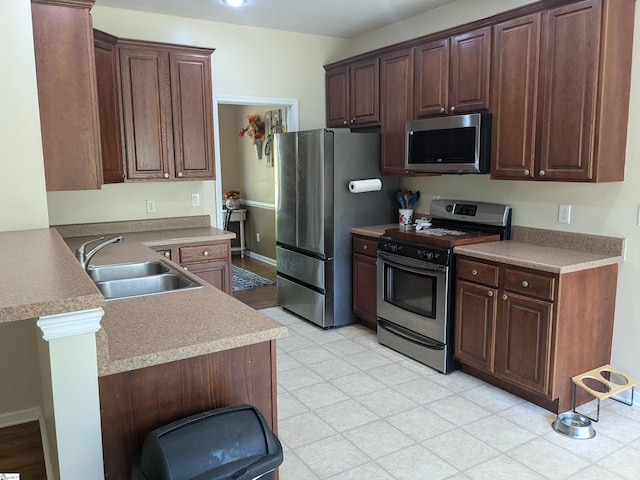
column 415, row 297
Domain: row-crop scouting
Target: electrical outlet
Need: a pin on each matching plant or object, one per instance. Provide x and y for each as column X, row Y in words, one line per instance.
column 151, row 206
column 195, row 200
column 564, row 213
column 257, row 237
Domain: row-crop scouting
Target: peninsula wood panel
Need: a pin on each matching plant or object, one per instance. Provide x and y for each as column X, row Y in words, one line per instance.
column 134, row 403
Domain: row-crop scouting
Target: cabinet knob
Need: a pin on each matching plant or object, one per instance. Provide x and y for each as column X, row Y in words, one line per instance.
column 364, row 247
column 180, row 174
column 542, row 173
column 344, row 123
column 474, row 272
column 441, row 109
column 166, row 175
column 526, row 172
column 490, row 293
column 525, row 284
column 186, row 268
column 453, row 108
column 352, row 120
column 504, row 296
column 206, row 254
column 167, row 254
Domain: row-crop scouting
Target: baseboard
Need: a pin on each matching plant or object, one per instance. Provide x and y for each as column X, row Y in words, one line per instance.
column 31, row 415
column 262, row 258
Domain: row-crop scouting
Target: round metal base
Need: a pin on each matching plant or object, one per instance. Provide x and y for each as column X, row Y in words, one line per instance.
column 574, row 425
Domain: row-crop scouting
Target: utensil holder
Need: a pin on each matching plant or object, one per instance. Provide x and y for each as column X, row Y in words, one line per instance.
column 405, row 216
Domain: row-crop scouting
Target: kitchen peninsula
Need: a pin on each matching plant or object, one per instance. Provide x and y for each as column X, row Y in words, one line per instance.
column 158, row 357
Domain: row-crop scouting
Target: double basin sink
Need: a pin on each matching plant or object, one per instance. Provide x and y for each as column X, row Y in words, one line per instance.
column 125, row 280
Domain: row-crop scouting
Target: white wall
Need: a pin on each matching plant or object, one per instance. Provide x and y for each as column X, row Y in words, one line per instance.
column 248, row 61
column 609, row 209
column 22, row 189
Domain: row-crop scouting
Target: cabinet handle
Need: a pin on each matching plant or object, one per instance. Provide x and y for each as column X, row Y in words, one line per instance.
column 180, row 174
column 441, row 109
column 453, row 108
column 205, row 253
column 490, row 293
column 167, row 254
column 526, row 172
column 542, row 173
column 474, row 272
column 166, row 175
column 504, row 296
column 525, row 284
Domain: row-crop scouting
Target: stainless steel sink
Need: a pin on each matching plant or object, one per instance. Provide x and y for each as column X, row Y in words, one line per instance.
column 125, row 280
column 104, row 273
column 133, row 287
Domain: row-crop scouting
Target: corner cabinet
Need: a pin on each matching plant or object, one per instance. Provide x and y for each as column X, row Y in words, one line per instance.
column 67, row 94
column 211, row 261
column 353, row 93
column 545, row 130
column 167, row 111
column 365, row 275
column 529, row 331
column 452, row 74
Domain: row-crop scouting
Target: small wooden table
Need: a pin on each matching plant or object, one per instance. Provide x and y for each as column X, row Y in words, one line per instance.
column 240, row 216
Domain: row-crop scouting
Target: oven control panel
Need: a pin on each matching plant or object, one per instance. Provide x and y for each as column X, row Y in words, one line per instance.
column 439, row 256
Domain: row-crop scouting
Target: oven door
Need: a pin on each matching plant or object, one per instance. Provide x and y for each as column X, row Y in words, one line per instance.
column 413, row 294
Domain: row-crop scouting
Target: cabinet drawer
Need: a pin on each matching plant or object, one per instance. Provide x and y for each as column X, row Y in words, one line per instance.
column 203, row 253
column 477, row 272
column 528, row 283
column 365, row 246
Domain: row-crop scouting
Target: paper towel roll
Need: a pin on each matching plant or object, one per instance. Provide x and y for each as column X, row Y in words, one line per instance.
column 368, row 185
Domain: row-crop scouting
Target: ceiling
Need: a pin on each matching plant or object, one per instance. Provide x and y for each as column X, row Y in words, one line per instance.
column 335, row 18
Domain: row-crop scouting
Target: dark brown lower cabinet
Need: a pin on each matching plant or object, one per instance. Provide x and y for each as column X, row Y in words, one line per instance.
column 136, row 402
column 365, row 276
column 529, row 331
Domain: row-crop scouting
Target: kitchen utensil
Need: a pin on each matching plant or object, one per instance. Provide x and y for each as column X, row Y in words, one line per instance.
column 414, row 199
column 400, row 198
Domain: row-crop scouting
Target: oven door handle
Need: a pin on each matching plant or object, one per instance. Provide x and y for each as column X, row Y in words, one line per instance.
column 410, row 336
column 422, row 265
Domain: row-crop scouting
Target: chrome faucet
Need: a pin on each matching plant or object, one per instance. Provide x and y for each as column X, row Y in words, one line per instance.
column 84, row 257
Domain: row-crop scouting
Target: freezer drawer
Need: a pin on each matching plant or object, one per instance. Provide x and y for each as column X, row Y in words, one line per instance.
column 307, row 303
column 312, row 271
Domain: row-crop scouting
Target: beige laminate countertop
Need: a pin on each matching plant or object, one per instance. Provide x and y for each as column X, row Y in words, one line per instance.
column 539, row 257
column 136, row 332
column 373, row 231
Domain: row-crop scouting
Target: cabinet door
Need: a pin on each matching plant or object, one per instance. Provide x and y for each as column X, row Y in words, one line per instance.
column 109, row 107
column 432, row 78
column 475, row 321
column 571, row 37
column 146, row 105
column 514, row 96
column 192, row 111
column 523, row 342
column 396, row 94
column 337, row 91
column 67, row 95
column 216, row 273
column 470, row 71
column 364, row 289
column 364, row 92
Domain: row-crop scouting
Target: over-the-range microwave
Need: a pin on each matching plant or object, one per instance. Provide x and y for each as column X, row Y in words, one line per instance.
column 452, row 144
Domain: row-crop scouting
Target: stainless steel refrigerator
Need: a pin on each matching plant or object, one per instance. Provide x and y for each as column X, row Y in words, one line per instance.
column 315, row 211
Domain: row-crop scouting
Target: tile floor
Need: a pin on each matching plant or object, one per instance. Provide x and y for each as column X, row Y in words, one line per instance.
column 350, row 408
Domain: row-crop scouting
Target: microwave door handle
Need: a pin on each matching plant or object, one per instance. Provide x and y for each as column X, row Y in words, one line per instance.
column 410, row 336
column 418, row 266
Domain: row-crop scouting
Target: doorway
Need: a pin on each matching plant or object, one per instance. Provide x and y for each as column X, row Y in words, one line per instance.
column 238, row 167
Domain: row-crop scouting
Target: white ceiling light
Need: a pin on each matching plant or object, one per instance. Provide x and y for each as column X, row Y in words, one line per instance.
column 234, row 3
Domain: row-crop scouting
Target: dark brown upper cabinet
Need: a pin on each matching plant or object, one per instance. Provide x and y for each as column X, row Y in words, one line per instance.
column 561, row 84
column 452, row 74
column 67, row 94
column 353, row 93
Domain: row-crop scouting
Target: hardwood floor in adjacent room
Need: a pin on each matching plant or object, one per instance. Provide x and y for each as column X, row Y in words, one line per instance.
column 258, row 297
column 21, row 451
